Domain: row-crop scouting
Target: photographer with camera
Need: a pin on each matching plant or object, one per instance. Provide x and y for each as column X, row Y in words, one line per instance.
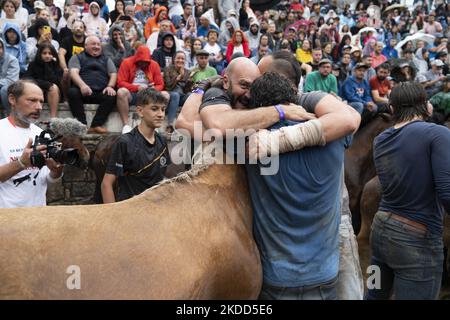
column 23, row 184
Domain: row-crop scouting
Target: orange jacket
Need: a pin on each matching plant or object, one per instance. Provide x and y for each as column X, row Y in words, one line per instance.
column 127, row 71
column 152, row 24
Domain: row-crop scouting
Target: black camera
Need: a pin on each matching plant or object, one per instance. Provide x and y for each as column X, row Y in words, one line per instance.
column 54, row 150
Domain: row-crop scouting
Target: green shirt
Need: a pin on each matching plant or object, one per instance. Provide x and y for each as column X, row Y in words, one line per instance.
column 200, row 75
column 315, row 82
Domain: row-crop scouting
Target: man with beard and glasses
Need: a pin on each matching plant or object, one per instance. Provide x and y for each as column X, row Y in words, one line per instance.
column 21, row 184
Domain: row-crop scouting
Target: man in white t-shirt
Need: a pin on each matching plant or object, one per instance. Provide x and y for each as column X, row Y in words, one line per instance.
column 21, row 184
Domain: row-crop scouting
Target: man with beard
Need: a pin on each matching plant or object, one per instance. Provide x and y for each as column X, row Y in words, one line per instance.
column 117, row 47
column 253, row 35
column 322, row 80
column 70, row 46
column 22, row 184
column 381, row 86
column 316, row 57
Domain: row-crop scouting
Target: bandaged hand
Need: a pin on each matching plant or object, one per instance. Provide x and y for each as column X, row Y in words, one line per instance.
column 266, row 143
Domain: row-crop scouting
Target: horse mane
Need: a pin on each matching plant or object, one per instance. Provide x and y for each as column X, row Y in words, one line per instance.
column 67, row 127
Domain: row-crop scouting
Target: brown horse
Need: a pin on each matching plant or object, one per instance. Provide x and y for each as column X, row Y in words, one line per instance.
column 147, row 247
column 359, row 166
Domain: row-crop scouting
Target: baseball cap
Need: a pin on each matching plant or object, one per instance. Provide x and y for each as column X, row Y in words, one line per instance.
column 361, row 65
column 202, row 52
column 39, row 5
column 347, row 47
column 437, row 63
column 323, row 61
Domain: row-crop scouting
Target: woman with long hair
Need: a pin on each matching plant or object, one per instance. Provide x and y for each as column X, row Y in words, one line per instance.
column 197, row 45
column 45, row 70
column 238, row 43
column 119, row 10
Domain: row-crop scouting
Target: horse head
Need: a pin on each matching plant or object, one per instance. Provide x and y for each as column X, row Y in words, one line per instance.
column 71, row 132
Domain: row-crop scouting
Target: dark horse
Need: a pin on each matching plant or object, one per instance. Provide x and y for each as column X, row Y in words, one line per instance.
column 359, row 166
column 70, row 132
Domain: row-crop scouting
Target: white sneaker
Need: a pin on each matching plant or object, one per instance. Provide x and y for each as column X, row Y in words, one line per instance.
column 126, row 128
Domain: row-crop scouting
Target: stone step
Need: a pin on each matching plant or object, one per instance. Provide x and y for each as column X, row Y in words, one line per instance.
column 113, row 124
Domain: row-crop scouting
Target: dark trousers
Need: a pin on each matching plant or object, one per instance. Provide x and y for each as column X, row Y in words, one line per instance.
column 76, row 101
column 410, row 260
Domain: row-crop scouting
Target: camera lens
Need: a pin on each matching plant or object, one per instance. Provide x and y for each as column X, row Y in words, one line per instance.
column 66, row 156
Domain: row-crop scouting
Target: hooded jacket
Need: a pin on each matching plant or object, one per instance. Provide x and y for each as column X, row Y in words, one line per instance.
column 112, row 51
column 225, row 35
column 96, row 25
column 17, row 50
column 9, row 67
column 152, row 24
column 159, row 55
column 128, row 68
column 253, row 40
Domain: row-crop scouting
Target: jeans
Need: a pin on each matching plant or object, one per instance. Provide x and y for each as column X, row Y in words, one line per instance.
column 5, row 103
column 76, row 101
column 176, row 99
column 325, row 291
column 410, row 260
column 358, row 106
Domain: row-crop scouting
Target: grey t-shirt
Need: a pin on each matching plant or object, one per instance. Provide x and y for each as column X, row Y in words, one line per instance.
column 214, row 96
column 74, row 63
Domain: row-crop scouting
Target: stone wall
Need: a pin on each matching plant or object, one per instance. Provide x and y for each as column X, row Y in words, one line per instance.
column 78, row 186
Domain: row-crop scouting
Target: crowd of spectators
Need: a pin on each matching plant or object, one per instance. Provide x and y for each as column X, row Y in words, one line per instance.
column 357, row 50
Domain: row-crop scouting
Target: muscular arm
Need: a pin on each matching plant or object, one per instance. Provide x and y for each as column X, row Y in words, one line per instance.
column 337, row 118
column 189, row 114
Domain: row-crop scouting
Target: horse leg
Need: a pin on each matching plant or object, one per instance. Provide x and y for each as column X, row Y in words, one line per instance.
column 370, row 200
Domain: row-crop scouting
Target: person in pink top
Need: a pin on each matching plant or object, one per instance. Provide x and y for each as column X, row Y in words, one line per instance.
column 377, row 57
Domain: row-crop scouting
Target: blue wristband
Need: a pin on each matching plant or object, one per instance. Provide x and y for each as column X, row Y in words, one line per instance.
column 280, row 111
column 198, row 90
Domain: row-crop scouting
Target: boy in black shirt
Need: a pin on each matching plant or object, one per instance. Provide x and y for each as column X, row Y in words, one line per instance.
column 139, row 158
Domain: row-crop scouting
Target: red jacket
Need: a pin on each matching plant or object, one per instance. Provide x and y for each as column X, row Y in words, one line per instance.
column 127, row 71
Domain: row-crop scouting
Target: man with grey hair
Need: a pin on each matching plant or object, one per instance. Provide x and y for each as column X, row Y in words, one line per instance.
column 93, row 77
column 22, row 183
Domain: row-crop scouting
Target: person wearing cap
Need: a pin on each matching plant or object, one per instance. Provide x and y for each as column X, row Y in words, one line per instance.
column 412, row 163
column 356, row 55
column 381, row 86
column 432, row 26
column 95, row 24
column 434, row 77
column 356, row 91
column 202, row 70
column 322, row 80
column 441, row 103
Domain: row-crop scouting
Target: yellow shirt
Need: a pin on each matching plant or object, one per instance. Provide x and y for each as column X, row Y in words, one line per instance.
column 303, row 56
